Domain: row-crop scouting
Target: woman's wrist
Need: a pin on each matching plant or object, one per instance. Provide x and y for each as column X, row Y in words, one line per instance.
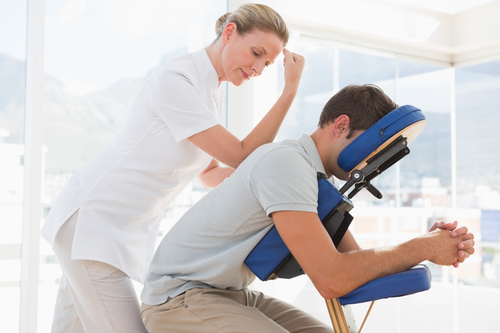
column 290, row 90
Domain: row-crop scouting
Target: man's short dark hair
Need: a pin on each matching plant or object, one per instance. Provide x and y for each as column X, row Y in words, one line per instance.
column 364, row 105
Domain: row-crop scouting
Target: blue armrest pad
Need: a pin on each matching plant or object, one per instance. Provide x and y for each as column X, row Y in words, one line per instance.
column 377, row 134
column 408, row 282
column 271, row 251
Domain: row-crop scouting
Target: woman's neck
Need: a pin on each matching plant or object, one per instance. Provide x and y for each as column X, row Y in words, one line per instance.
column 214, row 52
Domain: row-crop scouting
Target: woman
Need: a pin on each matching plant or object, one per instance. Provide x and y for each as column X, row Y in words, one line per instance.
column 104, row 223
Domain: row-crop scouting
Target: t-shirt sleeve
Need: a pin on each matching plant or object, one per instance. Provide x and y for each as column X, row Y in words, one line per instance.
column 179, row 104
column 282, row 180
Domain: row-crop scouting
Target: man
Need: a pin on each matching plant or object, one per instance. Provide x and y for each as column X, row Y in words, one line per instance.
column 197, row 280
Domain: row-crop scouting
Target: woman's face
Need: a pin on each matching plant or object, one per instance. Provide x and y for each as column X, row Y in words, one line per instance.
column 246, row 56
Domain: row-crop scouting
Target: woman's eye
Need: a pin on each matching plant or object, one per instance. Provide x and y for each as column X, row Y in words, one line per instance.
column 255, row 53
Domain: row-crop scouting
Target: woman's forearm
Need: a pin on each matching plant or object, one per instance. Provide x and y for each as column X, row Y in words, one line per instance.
column 223, row 146
column 267, row 129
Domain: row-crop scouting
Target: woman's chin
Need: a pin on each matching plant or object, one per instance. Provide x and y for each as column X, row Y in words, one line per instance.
column 238, row 83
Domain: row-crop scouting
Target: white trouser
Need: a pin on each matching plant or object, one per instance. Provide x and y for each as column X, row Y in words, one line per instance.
column 93, row 297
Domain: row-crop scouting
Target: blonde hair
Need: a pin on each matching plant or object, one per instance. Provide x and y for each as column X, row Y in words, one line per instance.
column 253, row 16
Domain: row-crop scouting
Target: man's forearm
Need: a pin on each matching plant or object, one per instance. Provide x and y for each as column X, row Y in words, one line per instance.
column 355, row 268
column 358, row 267
column 335, row 274
column 348, row 243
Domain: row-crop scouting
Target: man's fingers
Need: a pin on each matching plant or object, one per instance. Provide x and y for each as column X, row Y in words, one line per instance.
column 450, row 225
column 467, row 236
column 466, row 244
column 443, row 225
column 463, row 255
column 470, row 250
column 459, row 232
column 438, row 224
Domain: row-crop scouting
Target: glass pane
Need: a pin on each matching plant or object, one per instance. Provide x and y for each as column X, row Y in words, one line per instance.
column 423, row 182
column 428, row 166
column 12, row 99
column 97, row 54
column 478, row 153
column 316, row 87
column 478, row 184
column 363, row 68
column 426, row 172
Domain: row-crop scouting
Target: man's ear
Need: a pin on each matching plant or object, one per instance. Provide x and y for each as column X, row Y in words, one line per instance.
column 228, row 32
column 341, row 125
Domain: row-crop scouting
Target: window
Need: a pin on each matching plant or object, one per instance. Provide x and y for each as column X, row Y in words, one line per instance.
column 12, row 98
column 97, row 55
column 478, row 182
column 98, row 52
column 418, row 190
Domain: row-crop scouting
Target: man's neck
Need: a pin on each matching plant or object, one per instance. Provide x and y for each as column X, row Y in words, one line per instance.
column 319, row 140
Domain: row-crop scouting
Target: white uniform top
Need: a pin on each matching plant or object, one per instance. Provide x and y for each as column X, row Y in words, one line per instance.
column 122, row 192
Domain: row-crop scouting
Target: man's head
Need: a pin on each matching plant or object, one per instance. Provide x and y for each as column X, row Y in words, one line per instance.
column 364, row 105
column 345, row 116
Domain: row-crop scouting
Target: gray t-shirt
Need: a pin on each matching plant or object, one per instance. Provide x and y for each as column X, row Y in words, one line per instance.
column 207, row 247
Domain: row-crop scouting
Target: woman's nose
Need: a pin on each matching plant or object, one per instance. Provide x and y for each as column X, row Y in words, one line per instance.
column 258, row 68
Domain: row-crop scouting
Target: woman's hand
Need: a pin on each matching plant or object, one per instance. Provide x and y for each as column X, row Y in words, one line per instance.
column 294, row 64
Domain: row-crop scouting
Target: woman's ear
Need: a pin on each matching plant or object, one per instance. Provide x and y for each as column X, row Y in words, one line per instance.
column 228, row 32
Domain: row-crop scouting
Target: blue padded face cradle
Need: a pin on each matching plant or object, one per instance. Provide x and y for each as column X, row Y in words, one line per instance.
column 271, row 251
column 411, row 281
column 392, row 123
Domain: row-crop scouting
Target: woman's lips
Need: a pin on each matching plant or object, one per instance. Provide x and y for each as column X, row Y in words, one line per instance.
column 245, row 76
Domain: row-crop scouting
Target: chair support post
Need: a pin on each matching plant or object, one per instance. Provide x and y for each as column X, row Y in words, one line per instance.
column 366, row 316
column 349, row 317
column 337, row 317
column 342, row 317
